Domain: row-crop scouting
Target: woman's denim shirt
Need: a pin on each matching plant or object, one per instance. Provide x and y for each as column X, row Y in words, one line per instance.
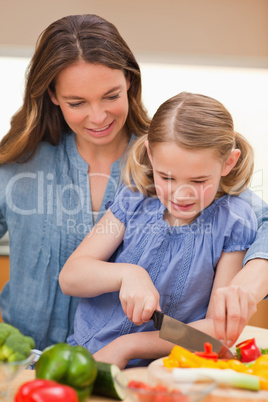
column 45, row 205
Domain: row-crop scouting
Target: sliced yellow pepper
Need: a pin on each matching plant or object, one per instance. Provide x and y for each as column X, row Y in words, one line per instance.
column 261, row 363
column 263, row 380
column 240, row 367
column 180, row 357
column 260, row 368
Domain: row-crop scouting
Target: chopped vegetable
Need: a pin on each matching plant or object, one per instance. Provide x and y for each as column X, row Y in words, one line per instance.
column 248, row 351
column 45, row 391
column 156, row 393
column 69, row 365
column 226, row 377
column 106, row 384
column 180, row 357
column 207, row 353
column 260, row 368
column 14, row 345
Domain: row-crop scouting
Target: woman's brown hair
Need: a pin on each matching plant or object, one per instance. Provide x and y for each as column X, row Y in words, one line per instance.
column 64, row 42
column 191, row 121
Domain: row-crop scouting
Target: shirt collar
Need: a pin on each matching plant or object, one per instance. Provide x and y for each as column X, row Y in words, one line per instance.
column 73, row 154
column 77, row 160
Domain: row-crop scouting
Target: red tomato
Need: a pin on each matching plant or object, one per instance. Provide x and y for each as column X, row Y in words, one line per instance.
column 159, row 393
column 162, row 396
column 138, row 384
column 177, row 396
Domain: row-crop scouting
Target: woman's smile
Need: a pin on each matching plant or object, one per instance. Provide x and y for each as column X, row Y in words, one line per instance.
column 101, row 132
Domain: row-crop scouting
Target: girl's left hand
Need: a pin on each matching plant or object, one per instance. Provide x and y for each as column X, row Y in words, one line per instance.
column 232, row 307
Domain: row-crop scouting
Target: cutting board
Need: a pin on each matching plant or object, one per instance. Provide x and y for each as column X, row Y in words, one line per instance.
column 221, row 393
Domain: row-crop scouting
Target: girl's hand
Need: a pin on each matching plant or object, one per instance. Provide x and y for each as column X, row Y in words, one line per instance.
column 232, row 307
column 138, row 295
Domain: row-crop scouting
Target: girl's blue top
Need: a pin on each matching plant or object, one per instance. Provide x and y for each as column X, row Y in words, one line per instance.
column 181, row 262
column 45, row 205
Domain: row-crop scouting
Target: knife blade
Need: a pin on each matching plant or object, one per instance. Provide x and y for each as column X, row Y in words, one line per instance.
column 190, row 338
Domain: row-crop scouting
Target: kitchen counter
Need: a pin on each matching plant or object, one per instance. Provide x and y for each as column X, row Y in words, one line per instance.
column 218, row 395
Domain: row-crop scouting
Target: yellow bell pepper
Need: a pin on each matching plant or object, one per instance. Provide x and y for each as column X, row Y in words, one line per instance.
column 180, row 357
column 260, row 368
column 239, row 366
column 261, row 364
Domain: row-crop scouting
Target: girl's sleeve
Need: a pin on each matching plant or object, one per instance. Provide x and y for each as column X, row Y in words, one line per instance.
column 234, row 225
column 259, row 248
column 126, row 204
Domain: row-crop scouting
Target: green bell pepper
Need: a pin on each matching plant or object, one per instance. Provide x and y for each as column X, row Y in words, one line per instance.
column 68, row 365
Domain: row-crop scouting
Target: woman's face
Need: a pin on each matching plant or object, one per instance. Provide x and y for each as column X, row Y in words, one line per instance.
column 93, row 100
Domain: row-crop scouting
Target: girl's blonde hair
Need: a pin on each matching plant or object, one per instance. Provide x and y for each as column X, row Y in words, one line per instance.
column 191, row 121
column 63, row 43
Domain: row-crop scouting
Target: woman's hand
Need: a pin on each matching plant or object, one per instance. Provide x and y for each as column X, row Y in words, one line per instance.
column 138, row 295
column 232, row 307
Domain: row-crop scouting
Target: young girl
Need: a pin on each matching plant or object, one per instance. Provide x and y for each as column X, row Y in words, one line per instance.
column 176, row 226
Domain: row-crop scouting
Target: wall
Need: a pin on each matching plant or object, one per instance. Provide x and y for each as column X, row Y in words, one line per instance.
column 223, row 30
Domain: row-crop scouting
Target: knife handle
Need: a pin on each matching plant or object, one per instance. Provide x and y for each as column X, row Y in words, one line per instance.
column 157, row 318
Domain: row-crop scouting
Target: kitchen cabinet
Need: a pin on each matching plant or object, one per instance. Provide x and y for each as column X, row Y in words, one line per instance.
column 4, row 272
column 260, row 318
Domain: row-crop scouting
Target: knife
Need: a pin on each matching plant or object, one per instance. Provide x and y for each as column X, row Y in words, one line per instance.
column 190, row 338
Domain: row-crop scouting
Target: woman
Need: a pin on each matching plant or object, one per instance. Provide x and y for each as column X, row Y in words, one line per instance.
column 61, row 165
column 61, row 161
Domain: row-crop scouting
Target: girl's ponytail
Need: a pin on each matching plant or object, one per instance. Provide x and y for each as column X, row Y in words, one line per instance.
column 138, row 174
column 239, row 177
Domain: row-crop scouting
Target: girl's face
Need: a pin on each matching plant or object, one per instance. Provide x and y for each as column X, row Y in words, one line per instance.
column 186, row 181
column 93, row 100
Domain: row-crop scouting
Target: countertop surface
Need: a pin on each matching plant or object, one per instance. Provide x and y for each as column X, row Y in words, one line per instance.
column 218, row 395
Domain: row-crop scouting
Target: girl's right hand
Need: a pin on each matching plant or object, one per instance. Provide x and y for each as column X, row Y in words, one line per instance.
column 138, row 295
